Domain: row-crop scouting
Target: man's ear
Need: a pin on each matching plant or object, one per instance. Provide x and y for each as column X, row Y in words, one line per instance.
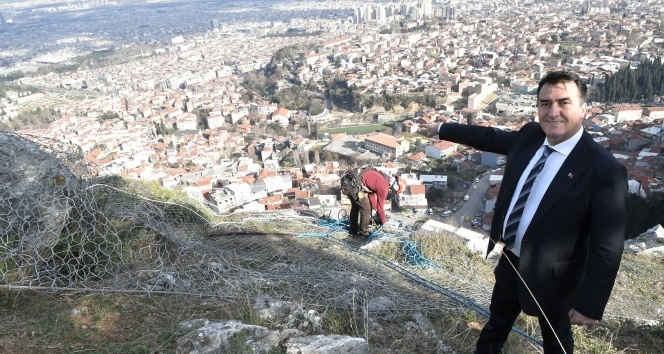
column 584, row 109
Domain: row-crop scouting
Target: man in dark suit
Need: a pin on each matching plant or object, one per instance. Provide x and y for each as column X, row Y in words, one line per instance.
column 560, row 213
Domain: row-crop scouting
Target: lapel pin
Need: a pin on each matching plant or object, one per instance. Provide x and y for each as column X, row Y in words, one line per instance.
column 570, row 175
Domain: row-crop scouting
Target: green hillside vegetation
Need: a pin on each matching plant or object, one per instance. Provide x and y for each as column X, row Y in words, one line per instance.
column 644, row 213
column 263, row 82
column 37, row 118
column 632, row 85
column 351, row 98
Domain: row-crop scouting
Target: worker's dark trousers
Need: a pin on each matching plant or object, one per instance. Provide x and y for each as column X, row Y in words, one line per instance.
column 361, row 208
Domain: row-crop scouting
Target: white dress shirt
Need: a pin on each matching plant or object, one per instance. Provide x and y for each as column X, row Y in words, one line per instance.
column 553, row 163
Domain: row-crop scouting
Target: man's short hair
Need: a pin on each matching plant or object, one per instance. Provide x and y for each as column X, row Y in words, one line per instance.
column 556, row 77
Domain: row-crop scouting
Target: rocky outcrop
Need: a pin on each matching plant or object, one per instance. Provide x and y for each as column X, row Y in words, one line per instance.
column 233, row 336
column 649, row 242
column 35, row 201
column 334, row 344
column 294, row 330
column 224, row 337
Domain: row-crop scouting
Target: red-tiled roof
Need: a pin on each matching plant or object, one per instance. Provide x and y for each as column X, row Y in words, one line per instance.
column 417, row 189
column 383, row 139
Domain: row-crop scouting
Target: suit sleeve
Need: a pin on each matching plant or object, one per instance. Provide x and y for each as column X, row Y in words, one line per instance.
column 481, row 138
column 607, row 235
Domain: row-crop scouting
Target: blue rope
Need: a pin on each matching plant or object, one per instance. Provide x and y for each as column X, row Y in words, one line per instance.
column 332, row 225
column 414, row 257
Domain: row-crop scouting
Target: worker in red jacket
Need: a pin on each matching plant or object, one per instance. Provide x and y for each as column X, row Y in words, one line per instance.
column 367, row 190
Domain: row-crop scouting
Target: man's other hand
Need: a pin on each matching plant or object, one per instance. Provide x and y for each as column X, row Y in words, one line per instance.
column 432, row 129
column 576, row 318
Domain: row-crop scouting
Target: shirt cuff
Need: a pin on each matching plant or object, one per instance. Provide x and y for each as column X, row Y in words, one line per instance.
column 439, row 125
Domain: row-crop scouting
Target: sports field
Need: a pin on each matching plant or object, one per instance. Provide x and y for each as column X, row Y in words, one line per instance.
column 354, row 129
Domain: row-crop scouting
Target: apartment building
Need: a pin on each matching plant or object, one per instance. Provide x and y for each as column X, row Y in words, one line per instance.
column 440, row 149
column 414, row 198
column 627, row 113
column 386, row 145
column 654, row 112
column 437, row 181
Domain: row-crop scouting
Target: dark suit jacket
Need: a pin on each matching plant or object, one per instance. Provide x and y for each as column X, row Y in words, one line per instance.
column 571, row 251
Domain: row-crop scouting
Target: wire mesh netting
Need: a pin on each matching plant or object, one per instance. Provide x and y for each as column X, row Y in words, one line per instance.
column 65, row 228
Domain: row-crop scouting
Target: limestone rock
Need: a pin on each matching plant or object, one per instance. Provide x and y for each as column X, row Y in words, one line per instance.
column 320, row 344
column 35, row 196
column 223, row 337
column 655, row 232
column 187, row 326
column 384, row 306
column 649, row 242
column 423, row 321
column 233, row 336
column 268, row 309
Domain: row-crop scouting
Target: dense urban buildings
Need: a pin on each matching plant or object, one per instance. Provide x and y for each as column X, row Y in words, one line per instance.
column 477, row 63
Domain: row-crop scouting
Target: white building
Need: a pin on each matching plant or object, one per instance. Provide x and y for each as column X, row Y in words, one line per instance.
column 386, row 145
column 437, row 181
column 627, row 113
column 654, row 112
column 278, row 184
column 440, row 149
column 414, row 198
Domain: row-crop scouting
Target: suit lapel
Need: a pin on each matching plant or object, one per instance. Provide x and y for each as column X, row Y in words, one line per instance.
column 569, row 173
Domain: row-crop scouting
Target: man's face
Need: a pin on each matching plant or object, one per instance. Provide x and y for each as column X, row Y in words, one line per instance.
column 560, row 111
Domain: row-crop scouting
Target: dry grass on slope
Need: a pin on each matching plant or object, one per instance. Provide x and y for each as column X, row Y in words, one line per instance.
column 34, row 322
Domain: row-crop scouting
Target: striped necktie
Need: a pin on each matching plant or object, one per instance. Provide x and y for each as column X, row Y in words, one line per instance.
column 515, row 215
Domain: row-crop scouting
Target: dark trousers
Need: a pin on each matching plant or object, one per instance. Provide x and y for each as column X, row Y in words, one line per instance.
column 505, row 308
column 360, row 208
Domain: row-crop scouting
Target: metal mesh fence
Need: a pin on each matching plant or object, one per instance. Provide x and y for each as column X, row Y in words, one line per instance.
column 73, row 230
